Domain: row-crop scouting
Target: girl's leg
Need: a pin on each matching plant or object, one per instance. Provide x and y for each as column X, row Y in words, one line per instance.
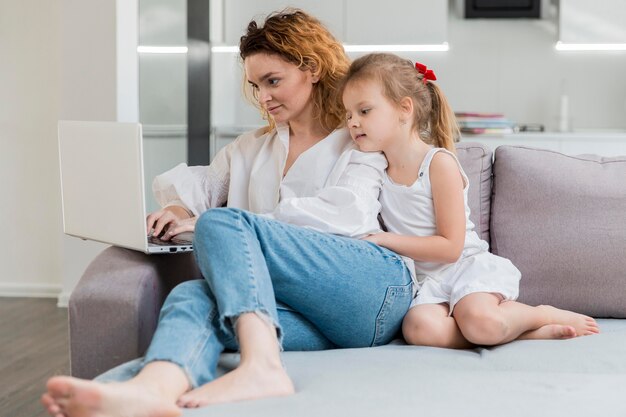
column 485, row 320
column 354, row 292
column 431, row 325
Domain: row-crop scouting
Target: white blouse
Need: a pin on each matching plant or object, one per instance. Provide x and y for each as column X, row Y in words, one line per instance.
column 331, row 187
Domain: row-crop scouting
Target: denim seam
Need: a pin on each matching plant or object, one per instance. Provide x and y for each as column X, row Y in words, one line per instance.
column 195, row 354
column 257, row 308
column 251, row 282
column 340, row 242
column 390, row 299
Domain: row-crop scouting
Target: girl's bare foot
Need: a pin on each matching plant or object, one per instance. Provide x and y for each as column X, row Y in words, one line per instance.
column 247, row 382
column 72, row 397
column 584, row 325
column 550, row 331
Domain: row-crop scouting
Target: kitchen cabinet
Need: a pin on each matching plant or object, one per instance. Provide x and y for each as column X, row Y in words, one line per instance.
column 355, row 22
column 396, row 22
column 238, row 13
column 597, row 143
column 584, row 21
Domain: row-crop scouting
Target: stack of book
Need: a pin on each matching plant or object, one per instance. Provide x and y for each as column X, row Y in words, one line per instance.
column 484, row 123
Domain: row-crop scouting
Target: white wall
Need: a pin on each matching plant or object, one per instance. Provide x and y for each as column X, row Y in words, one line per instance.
column 60, row 60
column 29, row 106
column 493, row 65
column 99, row 81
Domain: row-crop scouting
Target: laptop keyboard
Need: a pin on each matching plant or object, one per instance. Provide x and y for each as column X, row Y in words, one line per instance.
column 156, row 241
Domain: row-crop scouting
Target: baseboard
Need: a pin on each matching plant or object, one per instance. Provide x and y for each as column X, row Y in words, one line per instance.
column 64, row 299
column 30, row 290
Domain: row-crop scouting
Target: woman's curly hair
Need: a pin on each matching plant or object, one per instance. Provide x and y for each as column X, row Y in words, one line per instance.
column 302, row 40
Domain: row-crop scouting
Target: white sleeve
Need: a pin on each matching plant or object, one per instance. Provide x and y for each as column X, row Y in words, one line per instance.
column 348, row 205
column 197, row 188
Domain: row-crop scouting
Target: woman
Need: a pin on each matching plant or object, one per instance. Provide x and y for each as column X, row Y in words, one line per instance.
column 268, row 281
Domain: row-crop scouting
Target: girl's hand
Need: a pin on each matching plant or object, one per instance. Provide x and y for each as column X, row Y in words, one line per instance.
column 376, row 238
column 172, row 220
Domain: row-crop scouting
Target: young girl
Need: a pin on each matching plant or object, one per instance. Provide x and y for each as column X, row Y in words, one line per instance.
column 466, row 294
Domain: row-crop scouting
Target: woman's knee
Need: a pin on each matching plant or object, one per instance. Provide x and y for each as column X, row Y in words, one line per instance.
column 215, row 225
column 188, row 290
column 214, row 218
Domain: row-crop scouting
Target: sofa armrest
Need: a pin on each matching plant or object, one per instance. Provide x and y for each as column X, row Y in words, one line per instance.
column 113, row 311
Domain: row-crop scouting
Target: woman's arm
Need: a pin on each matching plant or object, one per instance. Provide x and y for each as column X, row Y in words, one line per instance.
column 447, row 244
column 196, row 188
column 185, row 192
column 348, row 205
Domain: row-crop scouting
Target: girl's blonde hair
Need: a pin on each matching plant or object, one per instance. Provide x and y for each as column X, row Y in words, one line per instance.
column 433, row 119
column 302, row 40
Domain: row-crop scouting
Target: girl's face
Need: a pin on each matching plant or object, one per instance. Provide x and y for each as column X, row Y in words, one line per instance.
column 372, row 118
column 282, row 89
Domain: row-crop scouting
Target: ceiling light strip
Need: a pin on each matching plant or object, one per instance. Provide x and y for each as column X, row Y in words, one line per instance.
column 442, row 47
column 162, row 49
column 562, row 46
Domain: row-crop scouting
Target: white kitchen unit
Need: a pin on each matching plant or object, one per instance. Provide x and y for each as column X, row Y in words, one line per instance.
column 597, row 143
column 354, row 22
column 592, row 22
column 577, row 143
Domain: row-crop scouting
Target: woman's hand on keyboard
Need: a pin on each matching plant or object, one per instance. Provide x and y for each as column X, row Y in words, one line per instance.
column 169, row 222
column 185, row 225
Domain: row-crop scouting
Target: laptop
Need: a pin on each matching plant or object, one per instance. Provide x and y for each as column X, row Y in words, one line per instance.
column 102, row 186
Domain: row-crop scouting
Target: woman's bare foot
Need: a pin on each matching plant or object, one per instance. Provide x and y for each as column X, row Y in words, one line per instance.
column 247, row 382
column 72, row 397
column 550, row 331
column 584, row 325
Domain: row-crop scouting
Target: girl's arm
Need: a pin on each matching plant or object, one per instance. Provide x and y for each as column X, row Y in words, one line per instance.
column 348, row 204
column 449, row 239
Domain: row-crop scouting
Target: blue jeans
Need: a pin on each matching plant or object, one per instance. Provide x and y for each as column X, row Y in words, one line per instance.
column 319, row 290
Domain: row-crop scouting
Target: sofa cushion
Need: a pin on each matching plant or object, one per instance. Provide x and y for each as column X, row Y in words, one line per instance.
column 562, row 221
column 519, row 379
column 476, row 162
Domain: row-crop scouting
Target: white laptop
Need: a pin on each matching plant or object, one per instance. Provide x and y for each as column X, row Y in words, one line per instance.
column 102, row 186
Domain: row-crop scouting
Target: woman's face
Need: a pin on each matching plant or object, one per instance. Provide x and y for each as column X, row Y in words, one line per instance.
column 281, row 88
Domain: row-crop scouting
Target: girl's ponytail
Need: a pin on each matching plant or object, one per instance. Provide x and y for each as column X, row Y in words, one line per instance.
column 444, row 130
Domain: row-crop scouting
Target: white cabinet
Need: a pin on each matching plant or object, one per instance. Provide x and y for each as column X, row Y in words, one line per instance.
column 238, row 13
column 357, row 22
column 604, row 144
column 584, row 21
column 396, row 22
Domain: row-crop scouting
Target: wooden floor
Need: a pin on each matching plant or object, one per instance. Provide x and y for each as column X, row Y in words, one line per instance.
column 33, row 347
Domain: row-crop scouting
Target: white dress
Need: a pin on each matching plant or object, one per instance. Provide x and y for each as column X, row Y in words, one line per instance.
column 409, row 210
column 331, row 187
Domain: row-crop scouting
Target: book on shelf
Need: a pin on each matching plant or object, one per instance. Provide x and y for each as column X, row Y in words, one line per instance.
column 484, row 123
column 488, row 131
column 479, row 115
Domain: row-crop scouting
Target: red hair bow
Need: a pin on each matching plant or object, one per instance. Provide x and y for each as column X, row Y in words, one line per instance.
column 427, row 73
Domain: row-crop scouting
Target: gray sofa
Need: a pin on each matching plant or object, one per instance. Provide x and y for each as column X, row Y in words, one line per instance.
column 560, row 219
